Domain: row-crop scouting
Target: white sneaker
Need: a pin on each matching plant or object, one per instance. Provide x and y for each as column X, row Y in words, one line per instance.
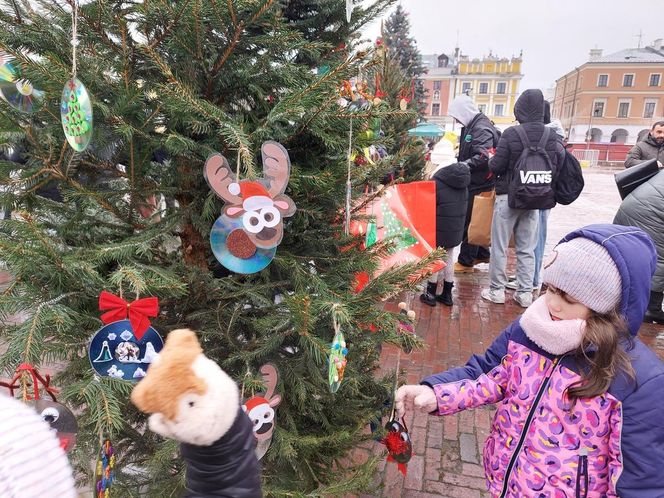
column 513, row 285
column 523, row 299
column 493, row 295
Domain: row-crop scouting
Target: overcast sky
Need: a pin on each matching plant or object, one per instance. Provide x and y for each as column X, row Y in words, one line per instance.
column 555, row 35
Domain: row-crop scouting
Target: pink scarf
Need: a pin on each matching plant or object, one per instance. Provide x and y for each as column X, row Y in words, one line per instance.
column 555, row 337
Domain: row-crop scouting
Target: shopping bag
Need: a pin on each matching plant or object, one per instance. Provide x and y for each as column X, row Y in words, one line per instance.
column 404, row 214
column 479, row 230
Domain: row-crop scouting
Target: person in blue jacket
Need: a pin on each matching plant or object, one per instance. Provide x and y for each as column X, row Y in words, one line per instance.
column 580, row 398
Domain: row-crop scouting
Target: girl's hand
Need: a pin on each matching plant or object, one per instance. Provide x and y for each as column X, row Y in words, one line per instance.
column 423, row 398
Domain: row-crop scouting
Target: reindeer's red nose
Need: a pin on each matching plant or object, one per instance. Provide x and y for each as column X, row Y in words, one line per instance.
column 240, row 245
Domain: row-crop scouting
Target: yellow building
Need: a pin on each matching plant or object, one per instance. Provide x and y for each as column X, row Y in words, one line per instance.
column 493, row 83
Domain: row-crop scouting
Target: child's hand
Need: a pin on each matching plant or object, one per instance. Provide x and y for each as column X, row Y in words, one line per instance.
column 423, row 398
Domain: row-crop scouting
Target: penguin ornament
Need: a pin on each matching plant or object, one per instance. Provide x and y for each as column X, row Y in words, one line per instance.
column 398, row 443
column 61, row 420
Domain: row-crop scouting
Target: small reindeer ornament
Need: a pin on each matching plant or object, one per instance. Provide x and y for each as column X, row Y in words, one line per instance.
column 261, row 410
column 245, row 237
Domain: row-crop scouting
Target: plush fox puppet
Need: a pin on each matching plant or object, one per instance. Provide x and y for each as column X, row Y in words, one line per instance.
column 192, row 400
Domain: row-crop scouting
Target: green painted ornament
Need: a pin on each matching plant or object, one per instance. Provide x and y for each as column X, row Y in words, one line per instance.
column 372, row 234
column 337, row 361
column 76, row 114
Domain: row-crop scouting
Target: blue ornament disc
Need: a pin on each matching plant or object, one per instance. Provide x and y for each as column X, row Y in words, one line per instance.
column 116, row 352
column 218, row 236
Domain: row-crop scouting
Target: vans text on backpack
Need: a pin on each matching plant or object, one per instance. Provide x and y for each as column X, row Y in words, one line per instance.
column 531, row 182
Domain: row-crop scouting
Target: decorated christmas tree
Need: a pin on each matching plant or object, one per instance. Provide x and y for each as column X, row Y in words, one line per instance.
column 403, row 46
column 171, row 84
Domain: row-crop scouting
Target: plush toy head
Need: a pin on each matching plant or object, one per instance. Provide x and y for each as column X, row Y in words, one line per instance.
column 189, row 397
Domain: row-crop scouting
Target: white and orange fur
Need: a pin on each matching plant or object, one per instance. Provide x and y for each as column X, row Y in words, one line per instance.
column 189, row 398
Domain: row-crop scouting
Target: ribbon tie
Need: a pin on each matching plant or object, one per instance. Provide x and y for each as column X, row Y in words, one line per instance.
column 138, row 311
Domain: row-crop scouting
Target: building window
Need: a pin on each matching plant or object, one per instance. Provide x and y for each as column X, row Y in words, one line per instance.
column 649, row 108
column 603, row 80
column 436, row 85
column 436, row 95
column 623, row 110
column 501, row 88
column 465, row 87
column 628, row 80
column 484, row 88
column 482, row 108
column 598, row 109
column 435, row 109
column 498, row 110
column 654, row 79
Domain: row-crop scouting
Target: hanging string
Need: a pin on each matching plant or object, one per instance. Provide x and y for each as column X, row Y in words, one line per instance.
column 409, row 302
column 246, row 375
column 237, row 168
column 348, row 183
column 74, row 34
column 396, row 383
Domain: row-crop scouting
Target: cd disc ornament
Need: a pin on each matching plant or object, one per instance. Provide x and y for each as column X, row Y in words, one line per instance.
column 18, row 92
column 245, row 237
column 124, row 348
column 76, row 114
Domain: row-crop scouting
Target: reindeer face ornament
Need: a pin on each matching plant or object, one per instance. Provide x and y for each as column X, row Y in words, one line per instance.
column 261, row 410
column 245, row 237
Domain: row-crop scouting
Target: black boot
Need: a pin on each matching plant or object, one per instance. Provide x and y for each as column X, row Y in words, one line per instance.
column 446, row 296
column 654, row 312
column 429, row 297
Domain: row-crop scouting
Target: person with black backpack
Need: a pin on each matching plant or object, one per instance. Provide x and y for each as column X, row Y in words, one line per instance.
column 526, row 162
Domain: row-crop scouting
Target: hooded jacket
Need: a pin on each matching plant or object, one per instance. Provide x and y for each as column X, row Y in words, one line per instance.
column 540, row 445
column 644, row 208
column 226, row 469
column 478, row 136
column 642, row 151
column 529, row 111
column 451, row 203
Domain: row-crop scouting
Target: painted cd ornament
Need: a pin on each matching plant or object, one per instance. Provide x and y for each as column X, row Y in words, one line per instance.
column 104, row 470
column 337, row 362
column 115, row 351
column 398, row 443
column 17, row 91
column 76, row 114
column 60, row 418
column 261, row 410
column 234, row 249
column 245, row 237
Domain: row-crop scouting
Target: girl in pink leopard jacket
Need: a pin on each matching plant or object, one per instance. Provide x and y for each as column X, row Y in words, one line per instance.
column 580, row 397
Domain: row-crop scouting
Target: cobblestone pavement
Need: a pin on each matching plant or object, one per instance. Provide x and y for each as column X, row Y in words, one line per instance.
column 446, row 458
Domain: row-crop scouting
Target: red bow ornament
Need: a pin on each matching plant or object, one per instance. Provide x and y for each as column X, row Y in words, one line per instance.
column 138, row 311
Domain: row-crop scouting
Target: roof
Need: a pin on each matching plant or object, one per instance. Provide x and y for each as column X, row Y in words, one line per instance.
column 632, row 56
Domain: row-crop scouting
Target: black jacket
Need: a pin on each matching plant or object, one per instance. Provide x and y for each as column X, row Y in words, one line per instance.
column 529, row 111
column 451, row 203
column 226, row 469
column 476, row 140
column 644, row 208
column 642, row 151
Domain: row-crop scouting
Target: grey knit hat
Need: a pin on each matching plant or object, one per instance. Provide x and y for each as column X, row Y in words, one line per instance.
column 584, row 270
